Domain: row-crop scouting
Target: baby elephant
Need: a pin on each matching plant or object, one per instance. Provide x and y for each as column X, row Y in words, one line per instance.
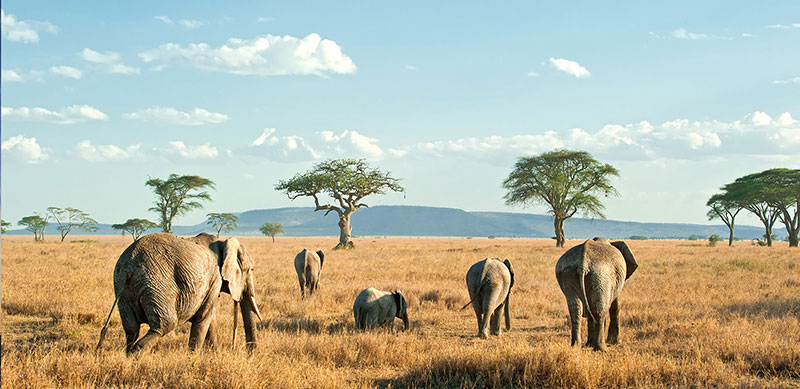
column 308, row 265
column 375, row 308
column 592, row 275
column 489, row 283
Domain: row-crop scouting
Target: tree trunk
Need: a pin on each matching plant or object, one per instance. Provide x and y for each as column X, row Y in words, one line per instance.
column 344, row 233
column 558, row 223
column 273, row 239
column 768, row 236
column 730, row 236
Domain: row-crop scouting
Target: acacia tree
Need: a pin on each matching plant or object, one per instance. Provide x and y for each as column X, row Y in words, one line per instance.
column 725, row 208
column 347, row 181
column 222, row 222
column 780, row 189
column 271, row 229
column 135, row 227
column 178, row 195
column 4, row 225
column 566, row 181
column 70, row 219
column 35, row 224
column 750, row 192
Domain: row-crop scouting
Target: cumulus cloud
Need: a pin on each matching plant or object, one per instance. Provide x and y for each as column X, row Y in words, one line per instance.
column 169, row 115
column 24, row 149
column 10, row 76
column 67, row 71
column 164, row 19
column 67, row 115
column 324, row 144
column 206, row 151
column 793, row 80
column 109, row 61
column 350, row 142
column 283, row 148
column 190, row 24
column 104, row 153
column 25, row 31
column 681, row 33
column 268, row 55
column 570, row 67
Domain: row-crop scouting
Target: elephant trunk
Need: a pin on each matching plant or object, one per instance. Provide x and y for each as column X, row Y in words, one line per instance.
column 249, row 321
column 507, row 310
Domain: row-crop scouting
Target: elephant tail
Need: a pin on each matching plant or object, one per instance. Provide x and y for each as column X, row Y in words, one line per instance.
column 582, row 272
column 105, row 326
column 480, row 290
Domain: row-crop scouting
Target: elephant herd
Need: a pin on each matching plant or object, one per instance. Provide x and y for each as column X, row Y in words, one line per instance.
column 164, row 281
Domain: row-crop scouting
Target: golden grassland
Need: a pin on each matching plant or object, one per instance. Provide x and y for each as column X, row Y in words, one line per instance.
column 691, row 316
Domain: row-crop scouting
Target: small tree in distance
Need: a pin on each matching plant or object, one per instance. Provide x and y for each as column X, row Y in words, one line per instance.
column 725, row 208
column 35, row 224
column 70, row 219
column 178, row 195
column 135, row 227
column 347, row 181
column 713, row 239
column 4, row 225
column 271, row 229
column 566, row 181
column 222, row 222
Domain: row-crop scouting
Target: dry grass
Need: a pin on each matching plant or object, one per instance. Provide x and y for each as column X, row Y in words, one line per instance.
column 691, row 316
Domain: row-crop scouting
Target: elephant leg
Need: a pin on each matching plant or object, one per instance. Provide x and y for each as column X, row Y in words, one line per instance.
column 147, row 341
column 575, row 314
column 613, row 329
column 483, row 329
column 495, row 321
column 591, row 335
column 599, row 334
column 212, row 333
column 130, row 324
column 302, row 287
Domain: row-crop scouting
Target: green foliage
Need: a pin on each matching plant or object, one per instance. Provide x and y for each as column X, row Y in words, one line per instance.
column 178, row 195
column 693, row 237
column 222, row 222
column 70, row 219
column 566, row 181
column 4, row 225
column 713, row 239
column 271, row 229
column 135, row 227
column 492, row 237
column 637, row 237
column 35, row 224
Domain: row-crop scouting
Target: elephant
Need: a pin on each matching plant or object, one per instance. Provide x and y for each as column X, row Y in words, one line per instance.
column 489, row 283
column 591, row 276
column 375, row 308
column 308, row 266
column 165, row 281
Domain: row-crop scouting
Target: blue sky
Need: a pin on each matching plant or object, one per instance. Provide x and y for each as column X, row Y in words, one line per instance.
column 680, row 97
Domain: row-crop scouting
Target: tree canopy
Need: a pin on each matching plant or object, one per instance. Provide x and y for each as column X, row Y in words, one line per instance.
column 724, row 207
column 222, row 222
column 346, row 182
column 35, row 224
column 4, row 225
column 70, row 219
column 271, row 229
column 135, row 227
column 178, row 195
column 566, row 181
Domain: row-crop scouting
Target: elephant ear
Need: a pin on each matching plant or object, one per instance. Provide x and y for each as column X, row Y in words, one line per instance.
column 630, row 261
column 321, row 258
column 231, row 269
column 511, row 271
column 398, row 302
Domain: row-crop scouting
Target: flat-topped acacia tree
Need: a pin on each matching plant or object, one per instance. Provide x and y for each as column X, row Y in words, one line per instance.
column 347, row 182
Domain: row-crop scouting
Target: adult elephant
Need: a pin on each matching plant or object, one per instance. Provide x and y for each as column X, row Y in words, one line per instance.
column 376, row 308
column 308, row 266
column 591, row 276
column 165, row 281
column 489, row 284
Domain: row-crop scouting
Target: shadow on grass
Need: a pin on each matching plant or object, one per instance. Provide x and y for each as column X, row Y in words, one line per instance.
column 772, row 308
column 296, row 325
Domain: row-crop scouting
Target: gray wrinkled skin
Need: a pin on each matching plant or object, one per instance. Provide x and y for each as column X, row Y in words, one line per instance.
column 376, row 308
column 489, row 284
column 308, row 265
column 591, row 276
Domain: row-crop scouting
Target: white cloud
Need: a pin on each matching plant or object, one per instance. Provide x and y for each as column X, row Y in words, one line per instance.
column 267, row 19
column 263, row 56
column 169, row 115
column 205, row 151
column 67, row 115
column 681, row 33
column 110, row 61
column 103, row 153
column 533, row 74
column 760, row 119
column 779, row 26
column 570, row 67
column 283, row 148
column 10, row 76
column 351, row 143
column 67, row 71
column 793, row 80
column 190, row 24
column 25, row 31
column 24, row 149
column 164, row 19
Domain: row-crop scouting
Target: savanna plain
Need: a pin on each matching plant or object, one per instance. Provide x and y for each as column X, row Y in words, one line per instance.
column 691, row 315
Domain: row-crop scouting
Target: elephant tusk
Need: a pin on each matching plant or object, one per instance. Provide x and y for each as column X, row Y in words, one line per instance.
column 235, row 320
column 255, row 307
